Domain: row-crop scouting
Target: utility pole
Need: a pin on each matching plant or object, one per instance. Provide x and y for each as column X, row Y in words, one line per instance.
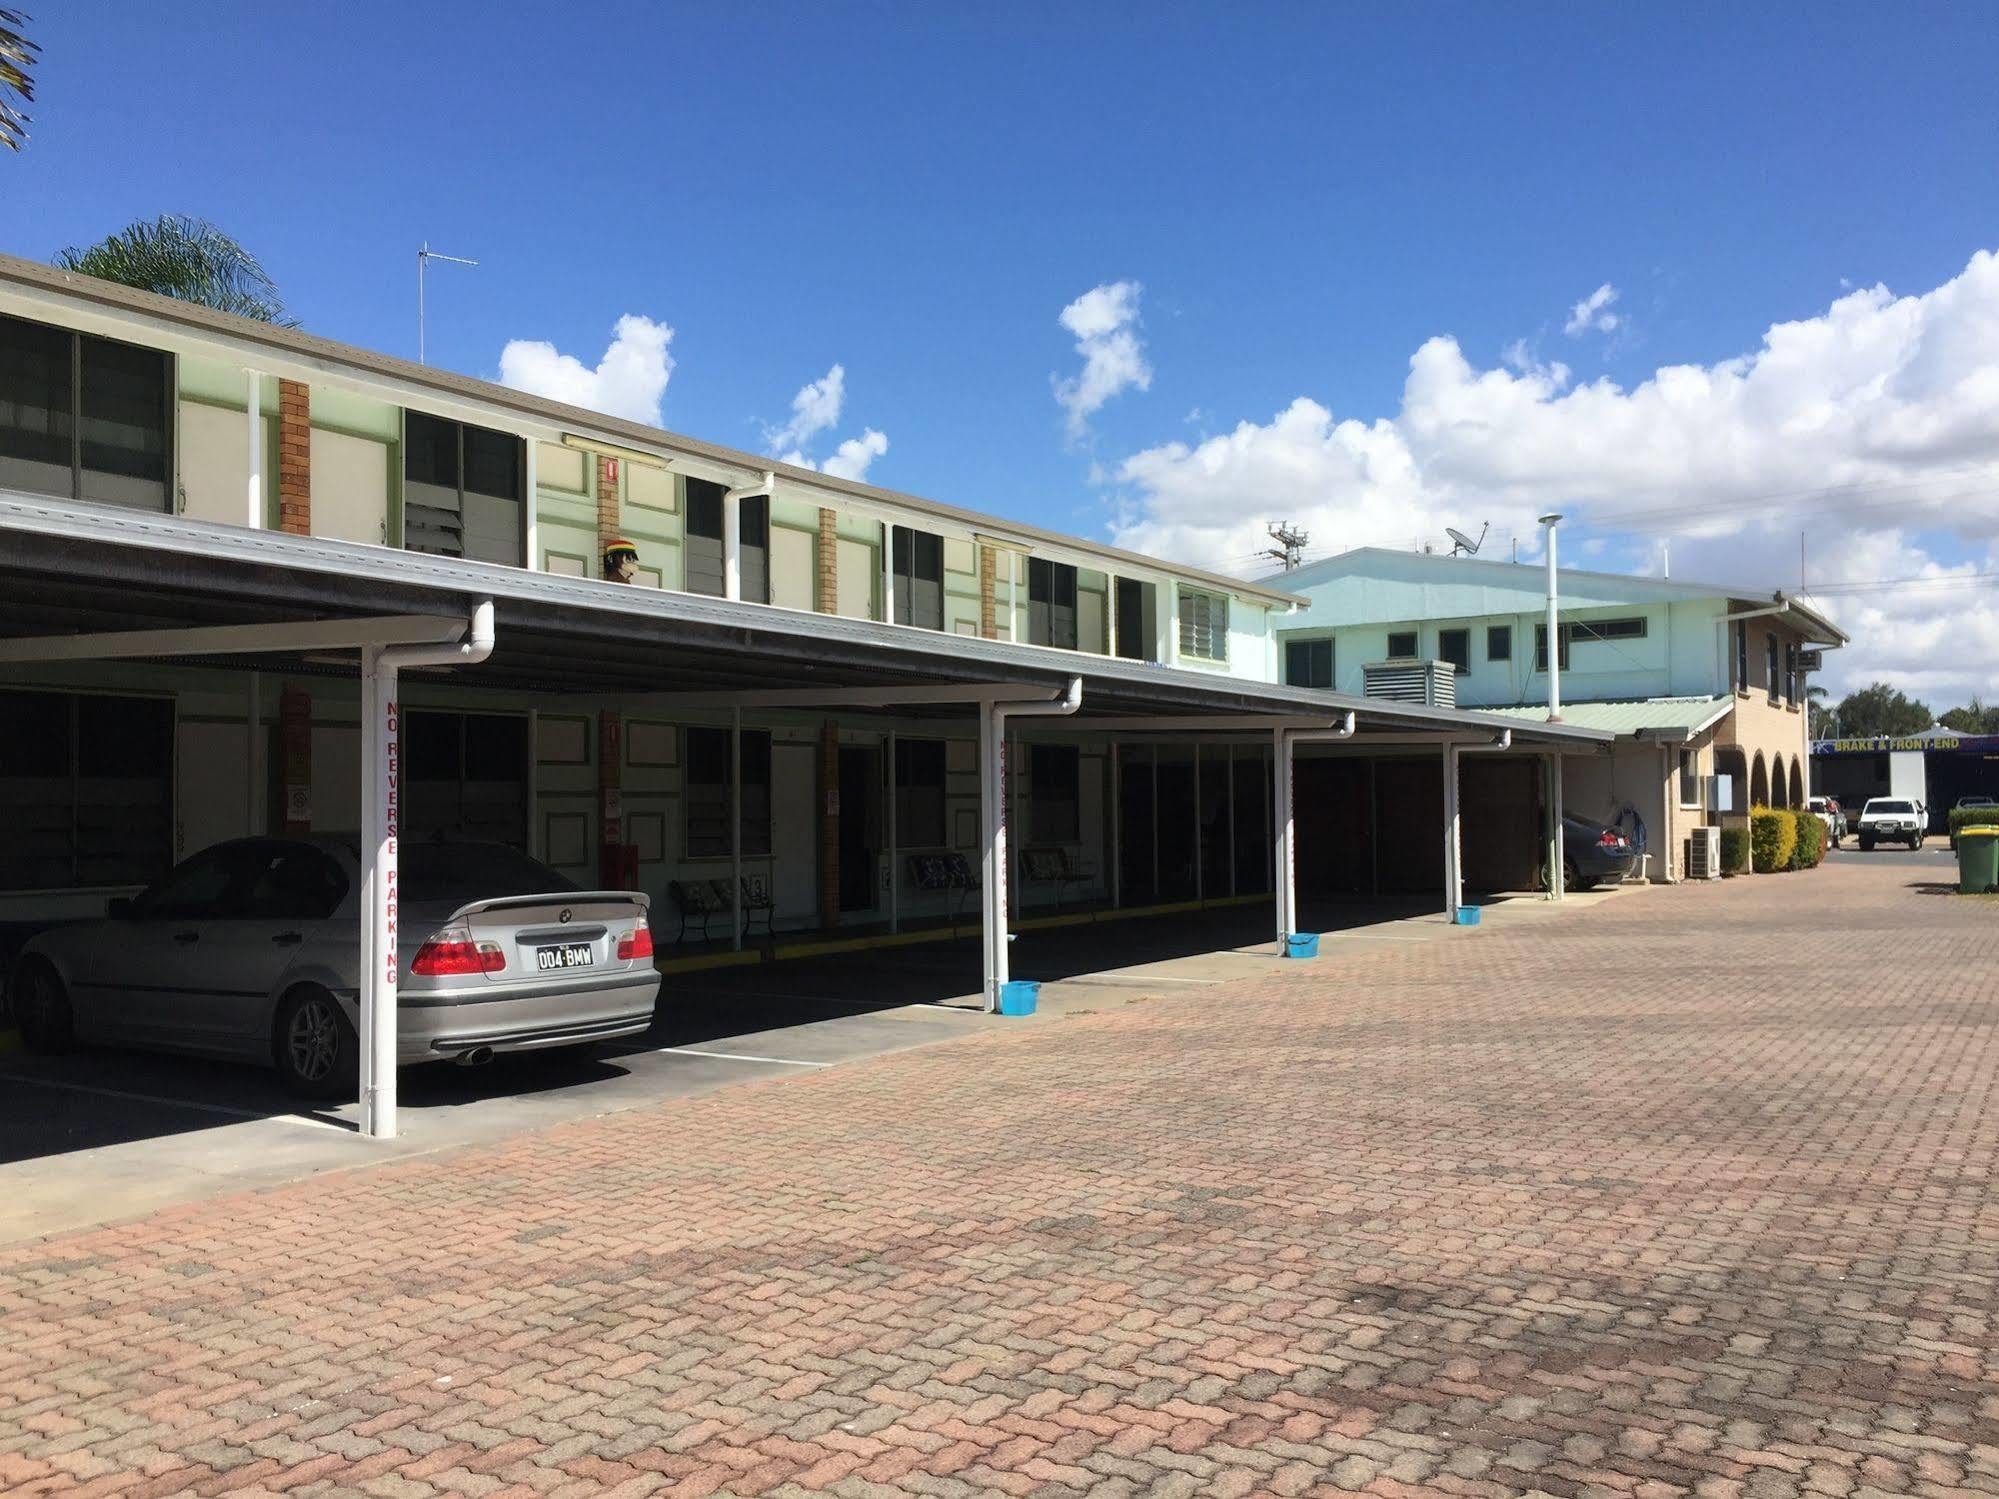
column 423, row 257
column 1290, row 547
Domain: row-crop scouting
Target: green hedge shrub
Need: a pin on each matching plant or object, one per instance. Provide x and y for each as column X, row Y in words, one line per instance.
column 1810, row 847
column 1773, row 834
column 1961, row 817
column 1734, row 850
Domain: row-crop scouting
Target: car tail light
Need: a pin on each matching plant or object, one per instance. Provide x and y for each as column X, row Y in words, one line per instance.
column 453, row 951
column 1610, row 838
column 637, row 943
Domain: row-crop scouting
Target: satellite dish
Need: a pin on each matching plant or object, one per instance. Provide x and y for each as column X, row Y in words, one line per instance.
column 1463, row 543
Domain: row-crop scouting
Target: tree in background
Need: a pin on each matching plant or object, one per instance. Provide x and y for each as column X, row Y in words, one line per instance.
column 17, row 55
column 1973, row 718
column 1818, row 716
column 1880, row 709
column 187, row 258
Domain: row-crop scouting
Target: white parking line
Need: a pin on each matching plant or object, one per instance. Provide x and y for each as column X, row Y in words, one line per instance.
column 175, row 1103
column 738, row 1056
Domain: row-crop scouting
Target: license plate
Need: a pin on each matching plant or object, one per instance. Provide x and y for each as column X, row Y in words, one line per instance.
column 564, row 955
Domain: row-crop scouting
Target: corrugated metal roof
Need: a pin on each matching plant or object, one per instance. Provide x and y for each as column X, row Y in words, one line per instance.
column 1670, row 714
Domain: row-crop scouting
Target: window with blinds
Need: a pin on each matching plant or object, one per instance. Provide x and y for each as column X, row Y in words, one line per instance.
column 1051, row 603
column 1204, row 625
column 701, row 547
column 919, row 578
column 463, row 490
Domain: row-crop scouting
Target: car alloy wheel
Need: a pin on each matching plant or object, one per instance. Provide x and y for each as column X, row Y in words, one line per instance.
column 312, row 1040
column 47, row 1023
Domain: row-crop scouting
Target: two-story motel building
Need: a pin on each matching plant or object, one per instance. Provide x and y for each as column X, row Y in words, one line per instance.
column 1702, row 685
column 253, row 581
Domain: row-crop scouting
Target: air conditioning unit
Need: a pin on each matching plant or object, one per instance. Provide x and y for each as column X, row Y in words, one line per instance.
column 1704, row 854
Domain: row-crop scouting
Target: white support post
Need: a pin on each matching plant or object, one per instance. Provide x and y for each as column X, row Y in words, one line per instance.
column 1454, row 890
column 992, row 849
column 1110, row 615
column 894, row 881
column 1286, row 872
column 1013, row 597
column 253, row 499
column 380, row 819
column 1169, row 648
column 253, row 783
column 533, row 509
column 736, row 829
column 1558, row 875
column 888, row 573
column 732, row 545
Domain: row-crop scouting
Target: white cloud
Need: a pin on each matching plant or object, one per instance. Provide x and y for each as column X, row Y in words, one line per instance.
column 1104, row 321
column 1593, row 313
column 1872, row 427
column 815, row 409
column 629, row 381
column 850, row 460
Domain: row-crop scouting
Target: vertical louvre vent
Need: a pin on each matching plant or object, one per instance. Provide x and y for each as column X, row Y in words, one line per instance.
column 1432, row 683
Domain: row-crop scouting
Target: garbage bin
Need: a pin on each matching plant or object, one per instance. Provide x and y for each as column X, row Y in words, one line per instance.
column 1019, row 997
column 1977, row 860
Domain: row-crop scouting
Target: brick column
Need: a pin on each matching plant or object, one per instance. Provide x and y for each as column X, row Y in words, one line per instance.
column 295, row 457
column 828, row 598
column 610, row 515
column 988, row 593
column 829, row 823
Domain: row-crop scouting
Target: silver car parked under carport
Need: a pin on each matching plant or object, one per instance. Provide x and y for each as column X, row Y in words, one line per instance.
column 251, row 949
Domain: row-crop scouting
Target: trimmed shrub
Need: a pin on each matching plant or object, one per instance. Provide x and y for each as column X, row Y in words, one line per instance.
column 1966, row 817
column 1734, row 850
column 1773, row 834
column 1810, row 847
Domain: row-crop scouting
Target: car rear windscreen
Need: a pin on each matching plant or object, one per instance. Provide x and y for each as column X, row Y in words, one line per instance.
column 460, row 872
column 1889, row 807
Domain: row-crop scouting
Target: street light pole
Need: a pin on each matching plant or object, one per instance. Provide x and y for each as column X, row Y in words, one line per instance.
column 1548, row 523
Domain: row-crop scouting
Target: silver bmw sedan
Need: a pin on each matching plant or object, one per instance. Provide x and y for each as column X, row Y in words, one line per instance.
column 251, row 949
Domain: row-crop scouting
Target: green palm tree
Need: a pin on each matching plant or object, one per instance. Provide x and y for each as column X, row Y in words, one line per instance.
column 183, row 257
column 17, row 55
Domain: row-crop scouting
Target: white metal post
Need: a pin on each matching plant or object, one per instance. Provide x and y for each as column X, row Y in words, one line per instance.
column 992, row 847
column 736, row 828
column 1549, row 522
column 253, row 497
column 380, row 820
column 1170, row 647
column 1286, row 873
column 1558, row 874
column 888, row 573
column 533, row 510
column 732, row 546
column 1454, row 891
column 1013, row 597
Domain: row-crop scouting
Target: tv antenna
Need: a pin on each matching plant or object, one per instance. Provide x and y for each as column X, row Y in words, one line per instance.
column 423, row 258
column 1461, row 543
column 1290, row 548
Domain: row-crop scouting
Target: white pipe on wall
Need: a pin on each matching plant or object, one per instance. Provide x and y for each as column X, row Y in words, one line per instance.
column 253, row 515
column 1285, row 844
column 1549, row 522
column 993, row 796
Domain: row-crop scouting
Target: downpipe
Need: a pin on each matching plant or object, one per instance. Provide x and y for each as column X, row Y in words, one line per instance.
column 1454, row 853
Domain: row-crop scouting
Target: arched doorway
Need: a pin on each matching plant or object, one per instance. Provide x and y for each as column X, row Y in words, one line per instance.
column 1730, row 761
column 1759, row 783
column 1797, row 784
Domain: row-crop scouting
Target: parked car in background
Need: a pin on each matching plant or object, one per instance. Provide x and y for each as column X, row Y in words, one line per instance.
column 1832, row 815
column 251, row 950
column 1891, row 819
column 1593, row 853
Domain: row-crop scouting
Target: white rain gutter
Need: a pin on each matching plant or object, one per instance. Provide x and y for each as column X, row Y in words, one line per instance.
column 1454, row 879
column 380, row 823
column 1283, row 740
column 993, row 815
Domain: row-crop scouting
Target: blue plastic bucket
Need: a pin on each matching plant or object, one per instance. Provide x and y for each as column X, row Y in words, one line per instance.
column 1466, row 916
column 1018, row 997
column 1301, row 945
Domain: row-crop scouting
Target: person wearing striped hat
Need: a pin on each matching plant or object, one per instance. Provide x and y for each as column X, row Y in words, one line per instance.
column 621, row 561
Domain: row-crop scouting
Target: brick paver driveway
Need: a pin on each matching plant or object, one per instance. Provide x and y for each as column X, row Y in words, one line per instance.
column 1690, row 1191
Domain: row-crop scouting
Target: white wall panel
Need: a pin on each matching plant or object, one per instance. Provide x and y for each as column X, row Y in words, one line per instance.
column 792, row 557
column 214, row 462
column 350, row 487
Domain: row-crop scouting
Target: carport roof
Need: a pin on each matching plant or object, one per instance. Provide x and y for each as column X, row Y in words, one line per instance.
column 67, row 568
column 1667, row 717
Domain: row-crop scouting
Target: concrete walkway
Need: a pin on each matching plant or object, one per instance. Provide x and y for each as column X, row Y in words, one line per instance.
column 1688, row 1191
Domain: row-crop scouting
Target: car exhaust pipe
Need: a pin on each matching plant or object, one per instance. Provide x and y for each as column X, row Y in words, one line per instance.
column 478, row 1056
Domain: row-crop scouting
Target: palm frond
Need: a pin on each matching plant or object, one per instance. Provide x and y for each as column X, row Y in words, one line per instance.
column 17, row 55
column 183, row 257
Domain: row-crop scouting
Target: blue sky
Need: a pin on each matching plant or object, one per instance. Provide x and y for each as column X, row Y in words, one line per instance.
column 1305, row 194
